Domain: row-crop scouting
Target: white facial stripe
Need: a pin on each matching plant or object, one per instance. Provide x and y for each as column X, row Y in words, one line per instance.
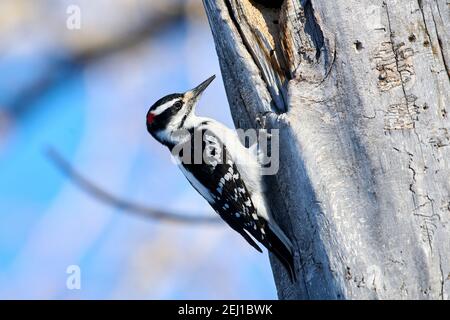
column 164, row 107
column 176, row 120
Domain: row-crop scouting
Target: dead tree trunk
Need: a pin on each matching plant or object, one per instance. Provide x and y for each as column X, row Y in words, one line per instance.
column 360, row 91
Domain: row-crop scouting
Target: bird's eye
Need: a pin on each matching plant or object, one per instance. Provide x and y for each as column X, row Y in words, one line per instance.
column 177, row 105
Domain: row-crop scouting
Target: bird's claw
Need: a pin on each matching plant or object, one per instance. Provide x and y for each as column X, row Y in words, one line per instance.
column 261, row 119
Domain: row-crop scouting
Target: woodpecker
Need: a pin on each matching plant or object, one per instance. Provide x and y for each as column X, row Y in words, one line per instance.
column 229, row 178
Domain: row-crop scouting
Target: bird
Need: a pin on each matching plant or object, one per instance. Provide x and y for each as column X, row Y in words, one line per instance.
column 225, row 172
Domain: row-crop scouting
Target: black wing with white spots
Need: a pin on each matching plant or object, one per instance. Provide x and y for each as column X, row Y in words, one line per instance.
column 228, row 195
column 218, row 180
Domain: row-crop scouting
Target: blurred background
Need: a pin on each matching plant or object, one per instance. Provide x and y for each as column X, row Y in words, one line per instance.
column 85, row 92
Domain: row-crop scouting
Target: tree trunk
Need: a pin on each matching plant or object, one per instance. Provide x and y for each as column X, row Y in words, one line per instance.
column 360, row 92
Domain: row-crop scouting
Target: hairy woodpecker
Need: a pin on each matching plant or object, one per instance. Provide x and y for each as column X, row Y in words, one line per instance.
column 230, row 179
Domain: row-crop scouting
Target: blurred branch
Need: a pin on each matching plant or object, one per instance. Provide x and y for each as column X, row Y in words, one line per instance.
column 83, row 183
column 61, row 69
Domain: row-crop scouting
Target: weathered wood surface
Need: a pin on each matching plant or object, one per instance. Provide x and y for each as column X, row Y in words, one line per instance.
column 360, row 91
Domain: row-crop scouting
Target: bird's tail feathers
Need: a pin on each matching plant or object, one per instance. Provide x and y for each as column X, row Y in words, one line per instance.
column 281, row 246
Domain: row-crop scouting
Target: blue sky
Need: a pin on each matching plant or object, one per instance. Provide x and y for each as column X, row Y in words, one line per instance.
column 95, row 117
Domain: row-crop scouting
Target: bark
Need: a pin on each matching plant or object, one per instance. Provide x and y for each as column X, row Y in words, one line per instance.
column 360, row 93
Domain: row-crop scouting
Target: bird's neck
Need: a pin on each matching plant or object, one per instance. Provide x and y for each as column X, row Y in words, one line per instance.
column 185, row 134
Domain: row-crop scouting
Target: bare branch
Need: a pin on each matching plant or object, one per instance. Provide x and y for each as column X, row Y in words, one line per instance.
column 83, row 183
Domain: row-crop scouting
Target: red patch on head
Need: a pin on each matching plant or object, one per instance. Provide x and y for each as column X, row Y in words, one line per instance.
column 150, row 117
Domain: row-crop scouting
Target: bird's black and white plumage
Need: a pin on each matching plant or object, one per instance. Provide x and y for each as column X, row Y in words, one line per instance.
column 228, row 175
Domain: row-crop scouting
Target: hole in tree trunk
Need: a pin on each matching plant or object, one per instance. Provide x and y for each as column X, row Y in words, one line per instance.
column 270, row 3
column 358, row 45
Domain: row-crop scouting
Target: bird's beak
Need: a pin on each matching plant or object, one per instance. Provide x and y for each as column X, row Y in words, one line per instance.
column 197, row 91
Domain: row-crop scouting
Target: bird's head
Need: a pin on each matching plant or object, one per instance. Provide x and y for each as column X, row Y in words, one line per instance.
column 174, row 112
